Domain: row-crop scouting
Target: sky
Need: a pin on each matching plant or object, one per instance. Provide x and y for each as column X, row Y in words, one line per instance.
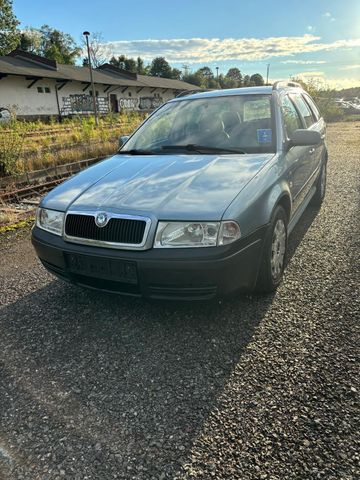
column 317, row 39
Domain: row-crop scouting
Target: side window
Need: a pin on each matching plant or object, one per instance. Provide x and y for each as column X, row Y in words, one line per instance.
column 291, row 117
column 304, row 109
column 313, row 106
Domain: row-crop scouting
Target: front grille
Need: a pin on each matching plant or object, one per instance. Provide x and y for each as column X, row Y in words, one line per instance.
column 117, row 230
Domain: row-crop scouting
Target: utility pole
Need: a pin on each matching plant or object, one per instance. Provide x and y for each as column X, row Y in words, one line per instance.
column 267, row 74
column 86, row 35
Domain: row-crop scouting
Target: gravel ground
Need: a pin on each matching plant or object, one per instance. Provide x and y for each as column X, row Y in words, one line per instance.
column 94, row 386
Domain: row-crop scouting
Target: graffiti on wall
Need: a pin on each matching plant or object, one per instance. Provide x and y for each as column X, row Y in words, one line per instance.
column 141, row 103
column 82, row 103
column 129, row 103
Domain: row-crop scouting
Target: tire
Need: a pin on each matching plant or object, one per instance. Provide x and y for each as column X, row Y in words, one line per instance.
column 319, row 194
column 274, row 253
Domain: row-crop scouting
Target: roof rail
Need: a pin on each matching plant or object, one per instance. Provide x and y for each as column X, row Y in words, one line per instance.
column 184, row 93
column 285, row 84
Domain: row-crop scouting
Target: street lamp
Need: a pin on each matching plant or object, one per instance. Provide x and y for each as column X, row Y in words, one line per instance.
column 86, row 35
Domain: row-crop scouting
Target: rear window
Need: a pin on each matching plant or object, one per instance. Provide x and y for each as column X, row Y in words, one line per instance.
column 313, row 106
column 257, row 109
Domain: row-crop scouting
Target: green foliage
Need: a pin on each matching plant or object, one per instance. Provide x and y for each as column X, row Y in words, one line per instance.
column 50, row 43
column 11, row 146
column 235, row 75
column 9, row 35
column 160, row 68
column 128, row 64
column 246, row 81
column 257, row 79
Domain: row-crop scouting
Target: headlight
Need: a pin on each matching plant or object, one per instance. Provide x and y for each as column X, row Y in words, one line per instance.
column 50, row 220
column 195, row 234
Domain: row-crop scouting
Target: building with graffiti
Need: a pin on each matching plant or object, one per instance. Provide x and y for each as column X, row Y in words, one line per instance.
column 33, row 87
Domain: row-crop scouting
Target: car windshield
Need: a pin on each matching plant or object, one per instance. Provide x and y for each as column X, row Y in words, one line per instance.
column 224, row 124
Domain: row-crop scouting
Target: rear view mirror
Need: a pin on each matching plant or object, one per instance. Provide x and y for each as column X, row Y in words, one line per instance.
column 302, row 137
column 123, row 139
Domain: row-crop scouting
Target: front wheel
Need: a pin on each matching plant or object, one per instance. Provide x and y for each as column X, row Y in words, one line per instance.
column 274, row 253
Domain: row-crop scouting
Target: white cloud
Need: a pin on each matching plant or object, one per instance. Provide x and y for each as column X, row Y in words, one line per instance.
column 310, row 74
column 200, row 50
column 310, row 28
column 351, row 67
column 329, row 16
column 330, row 82
column 305, row 62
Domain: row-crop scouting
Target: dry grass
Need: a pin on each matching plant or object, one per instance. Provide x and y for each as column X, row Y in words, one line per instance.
column 25, row 147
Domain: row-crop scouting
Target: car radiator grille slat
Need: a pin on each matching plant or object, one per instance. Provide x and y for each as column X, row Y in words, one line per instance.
column 117, row 230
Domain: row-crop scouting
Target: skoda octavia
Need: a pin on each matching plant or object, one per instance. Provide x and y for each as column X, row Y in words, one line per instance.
column 197, row 203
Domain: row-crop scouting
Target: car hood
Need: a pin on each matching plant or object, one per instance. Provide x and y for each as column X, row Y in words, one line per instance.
column 193, row 187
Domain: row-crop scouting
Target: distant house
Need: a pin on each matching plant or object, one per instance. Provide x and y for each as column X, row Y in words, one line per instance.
column 34, row 87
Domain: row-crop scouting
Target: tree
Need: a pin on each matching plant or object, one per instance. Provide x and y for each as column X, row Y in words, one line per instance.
column 30, row 41
column 193, row 78
column 206, row 72
column 234, row 74
column 50, row 43
column 176, row 74
column 257, row 79
column 128, row 64
column 246, row 81
column 97, row 50
column 160, row 68
column 59, row 46
column 9, row 35
column 227, row 82
column 140, row 66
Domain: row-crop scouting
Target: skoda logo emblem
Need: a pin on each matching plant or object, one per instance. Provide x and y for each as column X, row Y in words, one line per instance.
column 101, row 219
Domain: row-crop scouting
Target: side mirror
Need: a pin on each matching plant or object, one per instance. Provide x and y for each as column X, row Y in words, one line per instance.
column 302, row 137
column 123, row 139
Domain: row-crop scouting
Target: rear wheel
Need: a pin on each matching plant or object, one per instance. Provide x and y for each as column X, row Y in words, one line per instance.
column 274, row 253
column 320, row 186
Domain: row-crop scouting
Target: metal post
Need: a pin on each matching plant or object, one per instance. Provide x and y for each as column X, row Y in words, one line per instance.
column 86, row 35
column 267, row 74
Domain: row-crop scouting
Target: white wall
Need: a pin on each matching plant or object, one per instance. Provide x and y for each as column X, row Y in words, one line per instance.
column 15, row 96
column 24, row 101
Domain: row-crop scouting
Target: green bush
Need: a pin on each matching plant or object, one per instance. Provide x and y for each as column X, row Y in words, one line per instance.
column 11, row 146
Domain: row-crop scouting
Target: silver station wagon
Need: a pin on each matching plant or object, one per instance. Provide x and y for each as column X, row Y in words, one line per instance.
column 197, row 203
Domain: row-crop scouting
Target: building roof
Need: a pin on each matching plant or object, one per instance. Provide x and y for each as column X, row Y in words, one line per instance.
column 29, row 65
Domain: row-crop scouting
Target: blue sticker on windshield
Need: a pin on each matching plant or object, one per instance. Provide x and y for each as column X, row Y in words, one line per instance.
column 264, row 135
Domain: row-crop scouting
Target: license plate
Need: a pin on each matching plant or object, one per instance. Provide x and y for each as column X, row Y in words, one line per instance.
column 104, row 268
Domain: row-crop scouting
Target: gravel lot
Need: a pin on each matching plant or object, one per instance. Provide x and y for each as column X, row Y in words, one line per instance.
column 94, row 386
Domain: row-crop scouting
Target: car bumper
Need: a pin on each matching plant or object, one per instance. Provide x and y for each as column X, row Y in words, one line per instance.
column 186, row 274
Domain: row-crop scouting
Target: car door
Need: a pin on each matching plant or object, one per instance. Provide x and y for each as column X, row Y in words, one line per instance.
column 296, row 158
column 318, row 125
column 311, row 123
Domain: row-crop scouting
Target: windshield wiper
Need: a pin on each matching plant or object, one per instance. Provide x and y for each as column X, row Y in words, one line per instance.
column 193, row 147
column 136, row 151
